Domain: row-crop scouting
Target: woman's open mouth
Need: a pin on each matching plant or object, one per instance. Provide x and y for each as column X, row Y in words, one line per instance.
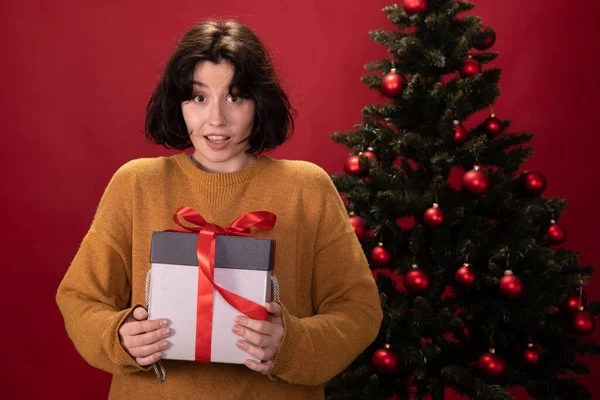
column 217, row 142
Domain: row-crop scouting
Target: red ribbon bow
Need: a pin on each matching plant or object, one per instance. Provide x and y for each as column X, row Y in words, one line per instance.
column 205, row 250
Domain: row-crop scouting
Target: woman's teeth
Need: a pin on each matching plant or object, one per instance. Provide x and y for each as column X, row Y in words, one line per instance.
column 217, row 139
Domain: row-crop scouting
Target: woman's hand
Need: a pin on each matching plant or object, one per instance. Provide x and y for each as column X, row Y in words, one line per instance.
column 142, row 338
column 263, row 338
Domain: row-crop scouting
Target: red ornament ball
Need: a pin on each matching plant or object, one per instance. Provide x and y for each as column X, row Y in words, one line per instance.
column 370, row 154
column 355, row 166
column 557, row 234
column 553, row 310
column 488, row 41
column 461, row 134
column 492, row 125
column 406, row 223
column 416, row 281
column 465, row 276
column 492, row 365
column 433, row 216
column 583, row 323
column 470, row 68
column 380, row 257
column 392, row 84
column 534, row 183
column 359, row 225
column 384, row 361
column 476, row 181
column 572, row 303
column 510, row 285
column 412, row 7
column 530, row 356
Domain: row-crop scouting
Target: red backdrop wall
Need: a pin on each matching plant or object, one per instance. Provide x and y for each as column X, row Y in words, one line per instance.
column 76, row 76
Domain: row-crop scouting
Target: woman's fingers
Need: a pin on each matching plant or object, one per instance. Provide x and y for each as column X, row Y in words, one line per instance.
column 149, row 360
column 136, row 327
column 260, row 353
column 146, row 338
column 148, row 350
column 260, row 367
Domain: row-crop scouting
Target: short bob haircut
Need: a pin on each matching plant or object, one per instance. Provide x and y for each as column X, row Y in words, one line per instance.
column 254, row 78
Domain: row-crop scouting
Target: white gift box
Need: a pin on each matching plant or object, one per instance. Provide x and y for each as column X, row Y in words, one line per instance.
column 243, row 265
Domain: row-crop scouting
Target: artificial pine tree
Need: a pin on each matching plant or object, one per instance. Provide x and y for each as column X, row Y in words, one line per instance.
column 475, row 298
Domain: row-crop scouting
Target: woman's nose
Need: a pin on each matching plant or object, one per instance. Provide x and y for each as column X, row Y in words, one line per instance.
column 217, row 115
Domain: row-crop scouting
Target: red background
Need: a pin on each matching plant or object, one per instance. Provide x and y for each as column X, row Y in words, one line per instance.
column 76, row 76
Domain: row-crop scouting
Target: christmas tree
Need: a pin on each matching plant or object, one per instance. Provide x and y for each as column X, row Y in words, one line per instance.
column 476, row 294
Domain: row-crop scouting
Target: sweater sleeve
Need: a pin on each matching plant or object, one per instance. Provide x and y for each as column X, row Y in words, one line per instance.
column 95, row 293
column 345, row 302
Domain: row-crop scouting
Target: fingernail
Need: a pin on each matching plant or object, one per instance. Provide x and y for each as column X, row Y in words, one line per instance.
column 166, row 332
column 158, row 356
column 163, row 322
column 239, row 320
column 241, row 344
column 247, row 362
column 236, row 330
column 164, row 345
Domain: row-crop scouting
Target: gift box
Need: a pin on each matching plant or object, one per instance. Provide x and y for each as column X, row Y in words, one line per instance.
column 200, row 312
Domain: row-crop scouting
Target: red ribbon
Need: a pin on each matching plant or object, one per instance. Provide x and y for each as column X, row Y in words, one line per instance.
column 205, row 250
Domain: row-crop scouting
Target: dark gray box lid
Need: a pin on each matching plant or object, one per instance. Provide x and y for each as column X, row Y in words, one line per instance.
column 231, row 251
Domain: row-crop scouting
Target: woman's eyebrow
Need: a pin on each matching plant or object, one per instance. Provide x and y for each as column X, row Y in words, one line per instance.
column 197, row 83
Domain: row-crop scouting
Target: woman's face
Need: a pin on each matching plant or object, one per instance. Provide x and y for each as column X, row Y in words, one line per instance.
column 217, row 121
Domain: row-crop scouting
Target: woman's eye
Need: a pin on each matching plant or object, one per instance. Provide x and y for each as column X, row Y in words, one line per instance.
column 234, row 99
column 198, row 98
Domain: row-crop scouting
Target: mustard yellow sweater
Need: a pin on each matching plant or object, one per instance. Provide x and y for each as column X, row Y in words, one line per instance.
column 331, row 309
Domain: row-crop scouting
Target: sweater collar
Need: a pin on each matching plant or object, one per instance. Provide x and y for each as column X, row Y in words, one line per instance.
column 206, row 178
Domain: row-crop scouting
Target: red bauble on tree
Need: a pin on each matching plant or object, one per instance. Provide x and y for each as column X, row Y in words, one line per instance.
column 533, row 182
column 531, row 357
column 465, row 276
column 476, row 181
column 510, row 285
column 433, row 216
column 392, row 84
column 370, row 154
column 488, row 41
column 492, row 365
column 412, row 7
column 416, row 281
column 384, row 361
column 406, row 223
column 583, row 323
column 355, row 166
column 461, row 134
column 492, row 125
column 470, row 68
column 557, row 234
column 359, row 225
column 573, row 303
column 380, row 257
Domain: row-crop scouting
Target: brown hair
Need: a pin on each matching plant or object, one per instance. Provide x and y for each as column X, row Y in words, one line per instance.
column 254, row 77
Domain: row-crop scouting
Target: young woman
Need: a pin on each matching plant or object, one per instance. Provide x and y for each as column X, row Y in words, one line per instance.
column 220, row 96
